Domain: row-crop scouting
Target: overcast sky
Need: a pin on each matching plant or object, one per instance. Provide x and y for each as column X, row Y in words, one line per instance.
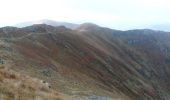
column 119, row 14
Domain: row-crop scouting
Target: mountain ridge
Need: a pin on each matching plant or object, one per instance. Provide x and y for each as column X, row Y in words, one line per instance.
column 156, row 27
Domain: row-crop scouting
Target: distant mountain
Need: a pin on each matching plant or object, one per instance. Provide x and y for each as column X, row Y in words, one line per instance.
column 47, row 22
column 161, row 27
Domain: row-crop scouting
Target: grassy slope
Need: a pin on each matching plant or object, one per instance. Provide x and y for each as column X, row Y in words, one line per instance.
column 21, row 87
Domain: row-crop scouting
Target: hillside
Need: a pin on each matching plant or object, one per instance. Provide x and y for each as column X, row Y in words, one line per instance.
column 91, row 60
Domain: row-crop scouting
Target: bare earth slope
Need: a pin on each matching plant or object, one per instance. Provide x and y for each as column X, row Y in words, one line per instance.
column 91, row 60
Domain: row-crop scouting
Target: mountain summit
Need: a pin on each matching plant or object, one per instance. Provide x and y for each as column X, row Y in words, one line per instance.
column 47, row 22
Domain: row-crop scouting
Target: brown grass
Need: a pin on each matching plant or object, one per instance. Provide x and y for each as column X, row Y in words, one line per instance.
column 14, row 86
